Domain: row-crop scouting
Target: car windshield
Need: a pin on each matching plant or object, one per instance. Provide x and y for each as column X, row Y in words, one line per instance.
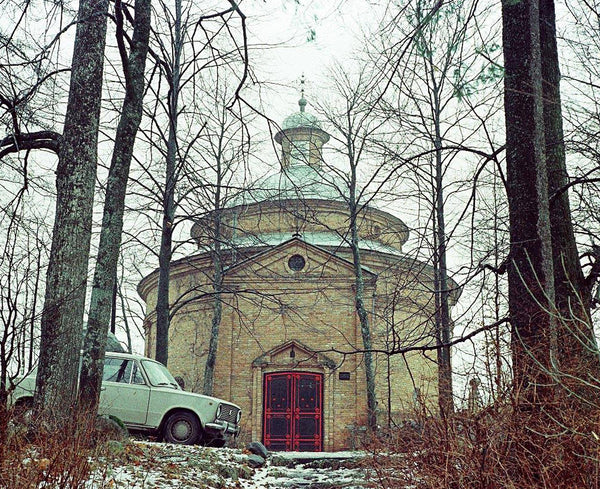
column 158, row 374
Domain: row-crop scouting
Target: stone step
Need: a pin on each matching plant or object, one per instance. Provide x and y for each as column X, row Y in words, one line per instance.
column 317, row 459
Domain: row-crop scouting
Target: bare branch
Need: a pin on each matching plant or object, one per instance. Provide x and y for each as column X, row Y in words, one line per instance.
column 36, row 140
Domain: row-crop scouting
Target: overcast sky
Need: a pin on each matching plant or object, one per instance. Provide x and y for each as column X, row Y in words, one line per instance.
column 303, row 37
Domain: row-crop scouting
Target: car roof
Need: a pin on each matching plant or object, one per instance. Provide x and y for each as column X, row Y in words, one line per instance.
column 133, row 356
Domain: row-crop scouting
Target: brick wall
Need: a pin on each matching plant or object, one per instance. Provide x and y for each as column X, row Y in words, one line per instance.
column 274, row 308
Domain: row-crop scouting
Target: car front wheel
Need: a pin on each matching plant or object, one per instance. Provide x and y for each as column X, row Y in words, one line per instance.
column 182, row 428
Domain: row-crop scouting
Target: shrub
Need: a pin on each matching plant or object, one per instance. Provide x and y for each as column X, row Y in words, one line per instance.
column 35, row 456
column 497, row 448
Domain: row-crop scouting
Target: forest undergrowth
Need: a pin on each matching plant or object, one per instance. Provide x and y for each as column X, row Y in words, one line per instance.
column 499, row 447
column 35, row 456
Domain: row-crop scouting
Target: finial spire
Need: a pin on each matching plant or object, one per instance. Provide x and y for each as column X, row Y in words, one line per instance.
column 302, row 101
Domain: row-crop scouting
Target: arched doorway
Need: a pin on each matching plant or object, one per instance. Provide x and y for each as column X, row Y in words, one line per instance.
column 293, row 418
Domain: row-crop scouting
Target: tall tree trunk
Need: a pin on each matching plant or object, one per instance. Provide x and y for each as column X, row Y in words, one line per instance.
column 217, row 282
column 211, row 358
column 442, row 313
column 62, row 317
column 359, row 297
column 438, row 72
column 105, row 276
column 577, row 348
column 124, row 312
column 530, row 272
column 365, row 330
column 163, row 317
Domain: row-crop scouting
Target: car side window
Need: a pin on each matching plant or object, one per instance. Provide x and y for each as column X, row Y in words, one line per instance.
column 117, row 370
column 137, row 377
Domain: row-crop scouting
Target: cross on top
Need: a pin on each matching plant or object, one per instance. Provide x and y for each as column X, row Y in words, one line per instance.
column 302, row 101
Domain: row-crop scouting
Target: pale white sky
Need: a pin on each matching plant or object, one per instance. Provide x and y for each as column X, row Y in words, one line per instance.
column 286, row 25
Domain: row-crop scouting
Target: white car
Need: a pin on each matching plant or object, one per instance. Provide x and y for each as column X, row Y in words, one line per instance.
column 144, row 395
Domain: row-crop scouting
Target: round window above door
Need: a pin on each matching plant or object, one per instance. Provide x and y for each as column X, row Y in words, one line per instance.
column 296, row 263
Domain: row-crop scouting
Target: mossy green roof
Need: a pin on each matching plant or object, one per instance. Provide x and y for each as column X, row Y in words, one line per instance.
column 301, row 120
column 302, row 182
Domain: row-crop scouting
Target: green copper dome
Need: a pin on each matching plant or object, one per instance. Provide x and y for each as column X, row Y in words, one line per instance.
column 300, row 182
column 300, row 177
column 301, row 119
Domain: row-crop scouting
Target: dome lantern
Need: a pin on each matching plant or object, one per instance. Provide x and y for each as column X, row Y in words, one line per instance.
column 301, row 138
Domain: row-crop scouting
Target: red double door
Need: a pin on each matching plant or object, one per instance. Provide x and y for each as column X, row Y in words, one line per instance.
column 293, row 411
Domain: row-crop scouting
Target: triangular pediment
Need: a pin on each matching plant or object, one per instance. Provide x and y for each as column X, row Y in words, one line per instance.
column 293, row 354
column 296, row 260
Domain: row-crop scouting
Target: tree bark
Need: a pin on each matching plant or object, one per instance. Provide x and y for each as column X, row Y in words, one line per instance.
column 101, row 304
column 359, row 299
column 365, row 331
column 62, row 316
column 530, row 271
column 577, row 348
column 442, row 306
column 163, row 318
column 217, row 281
column 211, row 358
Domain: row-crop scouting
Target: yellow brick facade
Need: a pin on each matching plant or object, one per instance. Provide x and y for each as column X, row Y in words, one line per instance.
column 313, row 312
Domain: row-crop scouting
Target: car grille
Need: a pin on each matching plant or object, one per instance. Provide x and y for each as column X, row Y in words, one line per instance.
column 228, row 413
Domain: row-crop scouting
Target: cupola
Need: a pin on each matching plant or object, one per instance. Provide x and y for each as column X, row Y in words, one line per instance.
column 301, row 138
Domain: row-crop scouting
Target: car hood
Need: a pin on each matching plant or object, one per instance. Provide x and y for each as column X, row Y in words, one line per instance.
column 193, row 395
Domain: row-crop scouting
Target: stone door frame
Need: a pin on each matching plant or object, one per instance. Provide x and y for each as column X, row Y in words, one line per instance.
column 303, row 360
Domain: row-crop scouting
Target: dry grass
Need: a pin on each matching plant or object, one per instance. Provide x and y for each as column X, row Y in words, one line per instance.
column 58, row 459
column 494, row 449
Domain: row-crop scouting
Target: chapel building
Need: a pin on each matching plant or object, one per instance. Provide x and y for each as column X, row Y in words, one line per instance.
column 290, row 339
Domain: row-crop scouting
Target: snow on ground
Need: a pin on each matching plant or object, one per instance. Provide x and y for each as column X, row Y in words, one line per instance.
column 147, row 465
column 305, row 477
column 320, row 455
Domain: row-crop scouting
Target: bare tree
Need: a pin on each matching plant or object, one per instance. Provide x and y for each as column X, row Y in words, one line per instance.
column 577, row 347
column 105, row 276
column 439, row 100
column 22, row 262
column 67, row 271
column 31, row 78
column 62, row 317
column 193, row 42
column 168, row 203
column 547, row 290
column 220, row 160
column 355, row 125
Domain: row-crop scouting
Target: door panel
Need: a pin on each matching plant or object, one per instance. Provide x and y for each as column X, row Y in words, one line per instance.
column 292, row 411
column 124, row 393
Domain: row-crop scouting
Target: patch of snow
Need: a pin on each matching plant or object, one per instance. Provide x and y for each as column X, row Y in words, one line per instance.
column 147, row 465
column 320, row 455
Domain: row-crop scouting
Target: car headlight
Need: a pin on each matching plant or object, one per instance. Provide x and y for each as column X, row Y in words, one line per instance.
column 219, row 410
column 239, row 416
